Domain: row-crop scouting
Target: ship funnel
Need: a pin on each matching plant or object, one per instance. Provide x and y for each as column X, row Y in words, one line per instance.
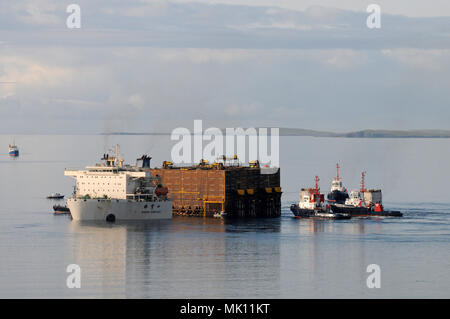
column 143, row 161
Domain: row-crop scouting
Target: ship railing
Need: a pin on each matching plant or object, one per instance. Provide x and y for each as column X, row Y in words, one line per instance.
column 145, row 197
column 140, row 197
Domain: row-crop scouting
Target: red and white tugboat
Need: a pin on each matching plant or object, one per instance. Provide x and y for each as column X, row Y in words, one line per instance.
column 364, row 203
column 311, row 205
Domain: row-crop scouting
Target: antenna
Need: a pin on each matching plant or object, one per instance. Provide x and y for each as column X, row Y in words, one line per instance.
column 117, row 151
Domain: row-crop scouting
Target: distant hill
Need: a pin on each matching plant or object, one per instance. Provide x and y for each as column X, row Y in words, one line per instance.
column 369, row 133
column 399, row 134
column 356, row 134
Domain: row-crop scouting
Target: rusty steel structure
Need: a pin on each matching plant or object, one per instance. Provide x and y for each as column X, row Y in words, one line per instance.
column 208, row 189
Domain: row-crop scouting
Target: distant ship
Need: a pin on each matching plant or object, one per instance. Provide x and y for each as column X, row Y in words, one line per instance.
column 311, row 205
column 13, row 150
column 55, row 196
column 338, row 193
column 112, row 191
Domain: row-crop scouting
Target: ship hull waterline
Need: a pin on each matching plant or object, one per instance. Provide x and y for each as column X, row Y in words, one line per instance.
column 118, row 209
column 355, row 211
column 310, row 213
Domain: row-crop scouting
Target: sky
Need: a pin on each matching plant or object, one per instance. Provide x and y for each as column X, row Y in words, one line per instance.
column 154, row 65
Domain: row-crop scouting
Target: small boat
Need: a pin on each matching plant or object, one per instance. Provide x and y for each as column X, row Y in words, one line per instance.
column 60, row 210
column 13, row 150
column 311, row 205
column 55, row 196
column 220, row 215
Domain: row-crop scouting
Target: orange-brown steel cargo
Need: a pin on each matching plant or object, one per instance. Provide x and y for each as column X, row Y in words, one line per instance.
column 204, row 190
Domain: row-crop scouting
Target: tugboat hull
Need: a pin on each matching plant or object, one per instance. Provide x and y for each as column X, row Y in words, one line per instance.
column 337, row 196
column 310, row 213
column 61, row 210
column 356, row 211
column 299, row 212
column 55, row 197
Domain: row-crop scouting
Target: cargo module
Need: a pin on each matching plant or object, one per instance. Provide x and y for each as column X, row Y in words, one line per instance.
column 232, row 190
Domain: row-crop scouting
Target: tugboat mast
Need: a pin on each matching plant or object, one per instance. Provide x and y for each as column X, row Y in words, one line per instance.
column 363, row 184
column 317, row 185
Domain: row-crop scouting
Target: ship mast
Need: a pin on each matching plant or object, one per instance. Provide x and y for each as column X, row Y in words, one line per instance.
column 363, row 184
column 119, row 160
column 317, row 185
column 338, row 178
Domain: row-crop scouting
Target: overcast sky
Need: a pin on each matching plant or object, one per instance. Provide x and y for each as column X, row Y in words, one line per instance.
column 155, row 65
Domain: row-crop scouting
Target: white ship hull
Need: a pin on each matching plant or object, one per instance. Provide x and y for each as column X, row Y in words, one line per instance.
column 120, row 209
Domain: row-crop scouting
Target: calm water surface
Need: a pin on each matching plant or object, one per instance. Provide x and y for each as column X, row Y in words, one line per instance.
column 210, row 258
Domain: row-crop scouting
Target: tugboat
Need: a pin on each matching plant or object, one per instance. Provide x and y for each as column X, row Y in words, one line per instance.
column 13, row 150
column 61, row 210
column 364, row 203
column 338, row 193
column 55, row 196
column 311, row 205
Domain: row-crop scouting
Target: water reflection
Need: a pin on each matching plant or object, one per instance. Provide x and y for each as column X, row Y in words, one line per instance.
column 100, row 251
column 182, row 257
column 328, row 255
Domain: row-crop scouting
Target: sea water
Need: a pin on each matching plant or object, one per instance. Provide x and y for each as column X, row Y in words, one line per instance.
column 189, row 257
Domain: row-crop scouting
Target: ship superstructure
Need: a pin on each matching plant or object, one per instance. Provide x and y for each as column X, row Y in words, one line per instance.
column 364, row 202
column 338, row 193
column 112, row 190
column 311, row 199
column 311, row 204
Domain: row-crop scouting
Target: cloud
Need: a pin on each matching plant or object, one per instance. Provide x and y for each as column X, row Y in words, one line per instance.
column 411, row 8
column 123, row 88
column 168, row 24
column 343, row 59
column 37, row 12
column 431, row 60
column 229, row 65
